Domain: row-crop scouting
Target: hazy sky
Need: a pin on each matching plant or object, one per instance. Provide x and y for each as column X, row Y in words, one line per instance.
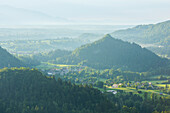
column 97, row 11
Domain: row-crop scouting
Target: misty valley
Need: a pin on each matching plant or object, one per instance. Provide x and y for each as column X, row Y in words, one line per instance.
column 85, row 68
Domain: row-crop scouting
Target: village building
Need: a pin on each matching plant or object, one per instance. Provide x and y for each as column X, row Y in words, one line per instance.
column 112, row 91
column 120, row 84
column 115, row 85
column 50, row 74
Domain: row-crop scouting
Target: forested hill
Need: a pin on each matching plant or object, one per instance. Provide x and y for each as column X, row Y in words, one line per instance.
column 114, row 53
column 8, row 60
column 52, row 55
column 28, row 91
column 152, row 33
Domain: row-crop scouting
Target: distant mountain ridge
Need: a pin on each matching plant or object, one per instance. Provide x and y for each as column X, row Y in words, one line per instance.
column 8, row 60
column 152, row 33
column 18, row 16
column 114, row 53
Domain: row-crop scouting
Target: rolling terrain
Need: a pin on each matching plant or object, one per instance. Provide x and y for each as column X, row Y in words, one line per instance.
column 114, row 53
column 155, row 37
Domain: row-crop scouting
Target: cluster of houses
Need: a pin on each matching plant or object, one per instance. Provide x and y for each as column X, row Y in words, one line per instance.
column 64, row 70
column 138, row 85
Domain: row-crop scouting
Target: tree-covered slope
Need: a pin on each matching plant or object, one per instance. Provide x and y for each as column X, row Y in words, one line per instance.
column 28, row 91
column 114, row 53
column 52, row 55
column 36, row 59
column 7, row 60
column 152, row 33
column 163, row 48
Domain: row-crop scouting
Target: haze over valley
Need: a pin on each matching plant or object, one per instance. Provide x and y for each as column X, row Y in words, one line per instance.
column 83, row 56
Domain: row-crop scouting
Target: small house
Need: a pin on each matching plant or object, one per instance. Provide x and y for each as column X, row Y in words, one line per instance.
column 49, row 73
column 150, row 83
column 115, row 85
column 112, row 91
column 160, row 93
column 120, row 84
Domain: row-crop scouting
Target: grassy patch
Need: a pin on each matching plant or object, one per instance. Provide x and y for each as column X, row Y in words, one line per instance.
column 59, row 65
column 157, row 76
column 47, row 65
column 63, row 65
column 134, row 91
column 44, row 66
column 101, row 89
column 156, row 81
column 162, row 85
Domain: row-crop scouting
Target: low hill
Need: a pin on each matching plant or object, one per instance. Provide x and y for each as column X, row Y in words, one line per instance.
column 52, row 55
column 35, row 93
column 114, row 53
column 157, row 35
column 163, row 48
column 152, row 33
column 8, row 60
column 36, row 59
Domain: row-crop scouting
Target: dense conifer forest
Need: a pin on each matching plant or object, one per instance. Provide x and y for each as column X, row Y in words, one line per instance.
column 26, row 90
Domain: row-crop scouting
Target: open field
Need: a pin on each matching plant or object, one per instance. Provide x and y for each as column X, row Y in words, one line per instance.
column 133, row 90
column 46, row 65
column 162, row 85
column 156, row 81
column 59, row 65
column 158, row 76
column 63, row 65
